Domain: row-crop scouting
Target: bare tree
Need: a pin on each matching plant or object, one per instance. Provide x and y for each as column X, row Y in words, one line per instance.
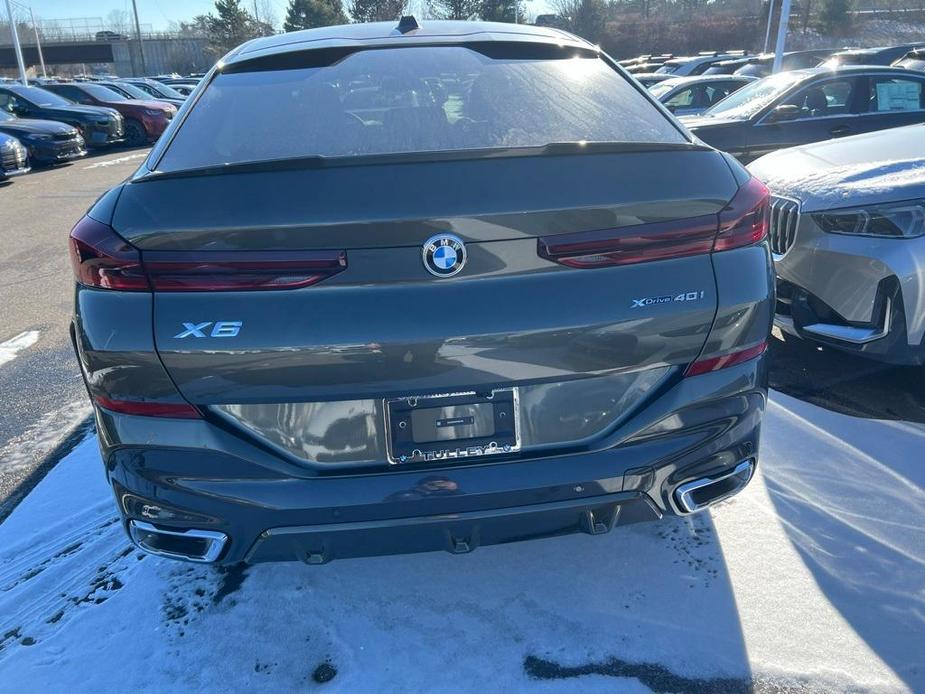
column 587, row 18
column 266, row 14
column 118, row 21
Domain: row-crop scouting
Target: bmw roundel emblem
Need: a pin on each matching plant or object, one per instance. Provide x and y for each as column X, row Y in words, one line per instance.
column 444, row 255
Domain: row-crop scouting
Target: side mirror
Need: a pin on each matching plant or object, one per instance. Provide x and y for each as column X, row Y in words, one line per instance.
column 785, row 112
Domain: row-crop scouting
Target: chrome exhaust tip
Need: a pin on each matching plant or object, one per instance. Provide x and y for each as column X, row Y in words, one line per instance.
column 703, row 492
column 203, row 546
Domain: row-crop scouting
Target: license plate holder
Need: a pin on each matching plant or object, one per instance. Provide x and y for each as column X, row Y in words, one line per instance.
column 452, row 426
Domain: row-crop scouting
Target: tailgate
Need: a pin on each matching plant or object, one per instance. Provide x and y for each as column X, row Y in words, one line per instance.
column 385, row 326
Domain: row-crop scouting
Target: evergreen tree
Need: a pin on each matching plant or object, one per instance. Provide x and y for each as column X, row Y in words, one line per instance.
column 307, row 14
column 501, row 10
column 834, row 17
column 376, row 10
column 456, row 9
column 231, row 26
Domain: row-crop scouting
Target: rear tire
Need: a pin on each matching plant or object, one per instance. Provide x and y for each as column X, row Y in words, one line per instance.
column 135, row 135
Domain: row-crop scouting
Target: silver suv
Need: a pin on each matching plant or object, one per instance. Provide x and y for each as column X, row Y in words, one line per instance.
column 847, row 225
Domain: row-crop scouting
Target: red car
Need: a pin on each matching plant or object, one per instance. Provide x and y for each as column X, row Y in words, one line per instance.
column 144, row 120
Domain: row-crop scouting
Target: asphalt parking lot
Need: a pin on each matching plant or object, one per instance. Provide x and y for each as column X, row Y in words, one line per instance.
column 844, row 383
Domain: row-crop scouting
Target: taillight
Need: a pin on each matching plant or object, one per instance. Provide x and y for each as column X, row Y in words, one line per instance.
column 149, row 409
column 632, row 244
column 239, row 270
column 703, row 366
column 744, row 221
column 103, row 259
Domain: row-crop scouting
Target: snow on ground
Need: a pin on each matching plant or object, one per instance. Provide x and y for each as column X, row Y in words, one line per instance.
column 812, row 580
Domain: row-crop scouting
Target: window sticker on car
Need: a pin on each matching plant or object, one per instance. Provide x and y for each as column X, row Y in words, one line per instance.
column 898, row 95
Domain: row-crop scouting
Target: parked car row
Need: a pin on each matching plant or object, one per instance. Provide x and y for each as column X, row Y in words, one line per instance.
column 803, row 106
column 841, row 146
column 55, row 121
column 694, row 95
column 650, row 69
column 145, row 119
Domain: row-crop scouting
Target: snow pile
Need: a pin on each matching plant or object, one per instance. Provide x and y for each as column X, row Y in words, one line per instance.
column 812, row 580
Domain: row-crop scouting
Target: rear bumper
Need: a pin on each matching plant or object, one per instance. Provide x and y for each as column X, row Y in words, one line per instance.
column 10, row 173
column 457, row 533
column 215, row 479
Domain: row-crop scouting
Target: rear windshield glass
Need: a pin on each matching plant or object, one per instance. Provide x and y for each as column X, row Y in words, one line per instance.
column 42, row 97
column 751, row 98
column 102, row 93
column 427, row 99
column 659, row 90
column 167, row 91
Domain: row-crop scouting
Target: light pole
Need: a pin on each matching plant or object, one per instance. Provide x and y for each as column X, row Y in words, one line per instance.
column 141, row 49
column 781, row 35
column 38, row 44
column 17, row 49
column 767, row 33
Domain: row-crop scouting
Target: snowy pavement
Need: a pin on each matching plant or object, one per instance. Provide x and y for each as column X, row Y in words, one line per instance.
column 812, row 580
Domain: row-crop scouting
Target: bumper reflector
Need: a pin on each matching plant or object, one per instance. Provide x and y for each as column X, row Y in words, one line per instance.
column 703, row 366
column 149, row 409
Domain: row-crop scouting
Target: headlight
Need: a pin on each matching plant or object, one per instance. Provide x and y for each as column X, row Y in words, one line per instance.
column 154, row 112
column 893, row 220
column 42, row 136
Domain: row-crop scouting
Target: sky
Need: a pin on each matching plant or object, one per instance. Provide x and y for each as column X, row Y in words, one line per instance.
column 155, row 13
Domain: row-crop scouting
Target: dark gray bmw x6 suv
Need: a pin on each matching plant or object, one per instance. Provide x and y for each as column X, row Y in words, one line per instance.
column 387, row 288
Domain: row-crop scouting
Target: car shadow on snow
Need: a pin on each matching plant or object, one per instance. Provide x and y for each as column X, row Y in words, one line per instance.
column 651, row 602
column 844, row 383
column 851, row 496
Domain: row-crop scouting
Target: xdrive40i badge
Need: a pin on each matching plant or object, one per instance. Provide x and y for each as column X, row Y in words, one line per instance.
column 667, row 299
